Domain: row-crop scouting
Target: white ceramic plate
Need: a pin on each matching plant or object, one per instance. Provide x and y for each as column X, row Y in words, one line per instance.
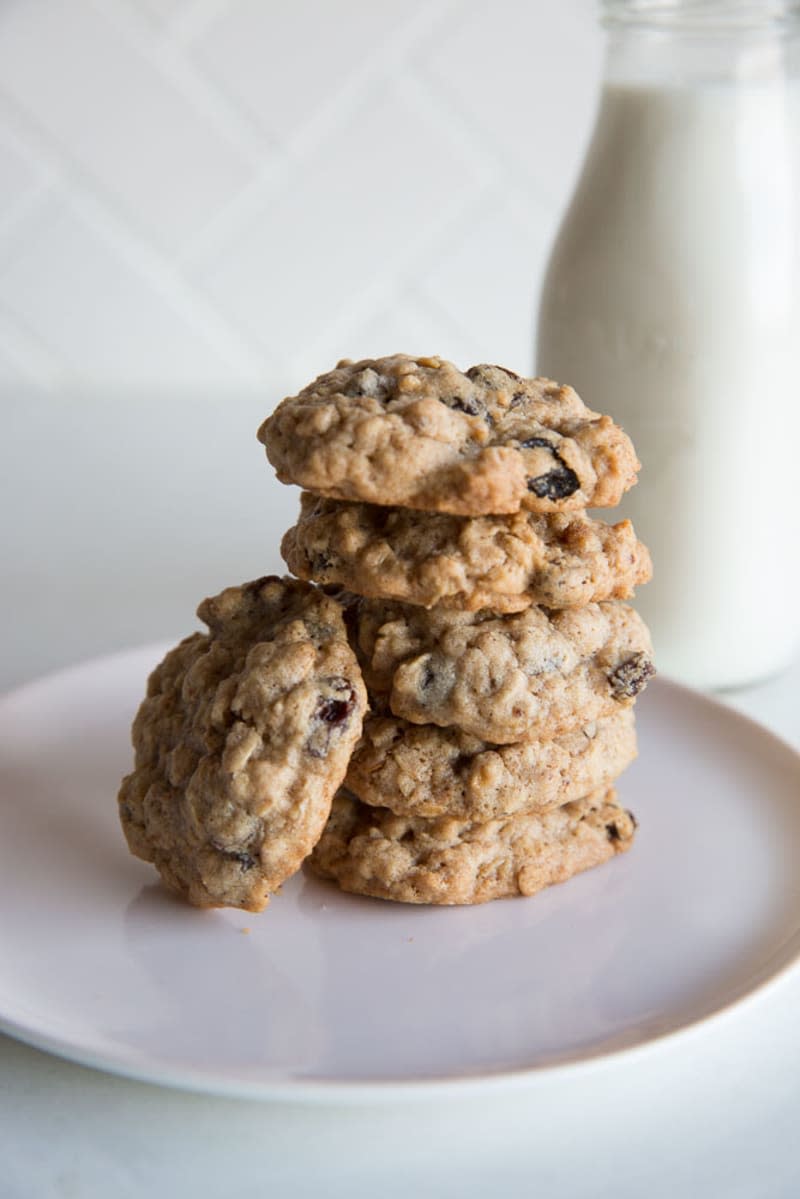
column 325, row 994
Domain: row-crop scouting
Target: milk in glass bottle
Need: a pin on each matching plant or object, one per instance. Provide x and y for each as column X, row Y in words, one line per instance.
column 672, row 302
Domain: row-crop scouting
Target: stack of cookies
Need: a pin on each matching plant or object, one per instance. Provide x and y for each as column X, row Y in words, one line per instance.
column 435, row 709
column 485, row 609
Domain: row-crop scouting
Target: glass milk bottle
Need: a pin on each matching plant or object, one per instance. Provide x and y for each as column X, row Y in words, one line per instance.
column 672, row 302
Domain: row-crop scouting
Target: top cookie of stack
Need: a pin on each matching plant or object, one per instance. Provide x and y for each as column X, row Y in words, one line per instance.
column 419, row 433
column 499, row 469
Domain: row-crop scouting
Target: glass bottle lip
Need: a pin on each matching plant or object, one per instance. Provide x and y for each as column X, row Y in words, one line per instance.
column 703, row 17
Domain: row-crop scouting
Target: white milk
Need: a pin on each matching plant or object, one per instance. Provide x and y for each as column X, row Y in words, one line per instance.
column 672, row 302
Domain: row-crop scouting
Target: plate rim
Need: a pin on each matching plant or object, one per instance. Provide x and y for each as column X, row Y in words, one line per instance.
column 149, row 1070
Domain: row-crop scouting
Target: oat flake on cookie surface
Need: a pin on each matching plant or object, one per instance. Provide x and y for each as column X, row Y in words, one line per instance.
column 241, row 742
column 419, row 433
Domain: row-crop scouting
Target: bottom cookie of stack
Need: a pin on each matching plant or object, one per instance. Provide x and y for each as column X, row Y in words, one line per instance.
column 447, row 860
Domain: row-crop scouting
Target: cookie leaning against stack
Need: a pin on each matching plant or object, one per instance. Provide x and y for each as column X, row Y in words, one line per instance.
column 500, row 664
column 241, row 741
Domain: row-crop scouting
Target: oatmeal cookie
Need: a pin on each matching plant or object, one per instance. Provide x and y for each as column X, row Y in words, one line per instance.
column 243, row 737
column 421, row 770
column 536, row 673
column 500, row 562
column 419, row 433
column 371, row 851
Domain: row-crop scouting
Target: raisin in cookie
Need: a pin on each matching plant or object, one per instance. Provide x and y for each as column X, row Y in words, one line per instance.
column 499, row 562
column 371, row 851
column 241, row 742
column 419, row 433
column 536, row 673
column 420, row 770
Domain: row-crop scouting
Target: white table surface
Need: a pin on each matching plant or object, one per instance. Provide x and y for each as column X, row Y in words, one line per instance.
column 119, row 516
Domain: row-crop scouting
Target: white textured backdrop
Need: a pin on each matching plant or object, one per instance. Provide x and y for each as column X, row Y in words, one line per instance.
column 205, row 203
column 197, row 193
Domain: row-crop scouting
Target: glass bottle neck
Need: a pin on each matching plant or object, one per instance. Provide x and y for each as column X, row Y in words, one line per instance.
column 682, row 42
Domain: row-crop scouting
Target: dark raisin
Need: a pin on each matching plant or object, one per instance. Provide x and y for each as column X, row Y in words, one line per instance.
column 557, row 484
column 334, row 711
column 469, row 404
column 245, row 859
column 330, row 717
column 632, row 818
column 613, row 832
column 427, row 677
column 320, row 563
column 630, row 677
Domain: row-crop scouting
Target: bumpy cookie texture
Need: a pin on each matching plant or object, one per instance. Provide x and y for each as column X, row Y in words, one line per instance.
column 241, row 742
column 419, row 770
column 536, row 673
column 372, row 851
column 419, row 433
column 500, row 562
